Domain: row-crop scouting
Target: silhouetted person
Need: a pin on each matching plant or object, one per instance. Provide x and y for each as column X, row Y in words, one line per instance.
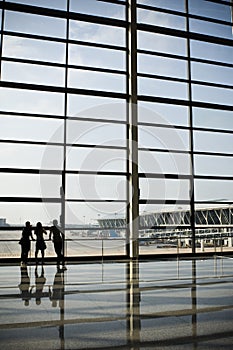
column 40, row 282
column 25, row 242
column 58, row 242
column 40, row 243
column 57, row 293
column 24, row 285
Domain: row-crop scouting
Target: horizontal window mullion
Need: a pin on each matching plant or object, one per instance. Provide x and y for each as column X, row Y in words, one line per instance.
column 164, row 176
column 220, row 2
column 213, row 177
column 184, row 34
column 98, row 120
column 31, row 115
column 26, row 142
column 204, row 83
column 30, row 199
column 184, row 102
column 82, row 145
column 48, row 88
column 220, row 131
column 11, row 6
column 216, row 63
column 97, row 19
column 164, row 201
column 27, row 61
column 97, row 172
column 162, row 150
column 218, row 154
column 45, row 143
column 179, row 57
column 215, row 203
column 62, row 14
column 30, row 171
column 210, row 20
column 163, row 10
column 34, row 36
column 162, row 77
column 166, row 126
column 161, row 54
column 81, row 200
column 99, row 45
column 96, row 69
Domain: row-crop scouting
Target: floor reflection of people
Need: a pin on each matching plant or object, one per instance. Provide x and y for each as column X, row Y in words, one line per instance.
column 56, row 293
column 40, row 282
column 24, row 286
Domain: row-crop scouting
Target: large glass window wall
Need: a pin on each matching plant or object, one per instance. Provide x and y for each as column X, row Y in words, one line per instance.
column 72, row 74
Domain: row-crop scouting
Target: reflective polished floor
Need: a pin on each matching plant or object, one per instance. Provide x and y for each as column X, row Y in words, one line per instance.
column 172, row 304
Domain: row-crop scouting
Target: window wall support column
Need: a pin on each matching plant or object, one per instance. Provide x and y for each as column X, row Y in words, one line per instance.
column 191, row 140
column 133, row 183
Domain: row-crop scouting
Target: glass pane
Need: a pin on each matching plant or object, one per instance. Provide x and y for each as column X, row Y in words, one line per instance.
column 211, row 165
column 95, row 159
column 161, row 43
column 162, row 88
column 210, row 9
column 96, row 187
column 161, row 19
column 82, row 132
column 162, row 66
column 213, row 95
column 164, row 189
column 96, row 80
column 213, row 52
column 31, row 157
column 96, row 107
column 98, row 8
column 96, row 57
column 19, row 213
column 28, row 185
column 33, row 74
column 212, row 73
column 35, row 24
column 58, row 4
column 213, row 142
column 162, row 113
column 163, row 138
column 164, row 163
column 34, row 49
column 29, row 101
column 214, row 29
column 215, row 119
column 31, row 129
column 213, row 190
column 96, row 33
column 166, row 4
column 84, row 213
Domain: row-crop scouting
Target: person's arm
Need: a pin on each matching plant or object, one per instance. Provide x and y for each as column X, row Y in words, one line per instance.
column 33, row 239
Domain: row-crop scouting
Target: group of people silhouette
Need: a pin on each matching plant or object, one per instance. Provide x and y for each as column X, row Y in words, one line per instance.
column 55, row 292
column 55, row 234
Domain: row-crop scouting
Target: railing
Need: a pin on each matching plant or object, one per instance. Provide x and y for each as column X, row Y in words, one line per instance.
column 102, row 247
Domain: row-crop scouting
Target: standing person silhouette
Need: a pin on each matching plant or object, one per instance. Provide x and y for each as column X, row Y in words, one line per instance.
column 58, row 242
column 26, row 243
column 40, row 243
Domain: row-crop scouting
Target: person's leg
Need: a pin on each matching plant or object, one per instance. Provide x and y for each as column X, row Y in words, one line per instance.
column 36, row 255
column 42, row 255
